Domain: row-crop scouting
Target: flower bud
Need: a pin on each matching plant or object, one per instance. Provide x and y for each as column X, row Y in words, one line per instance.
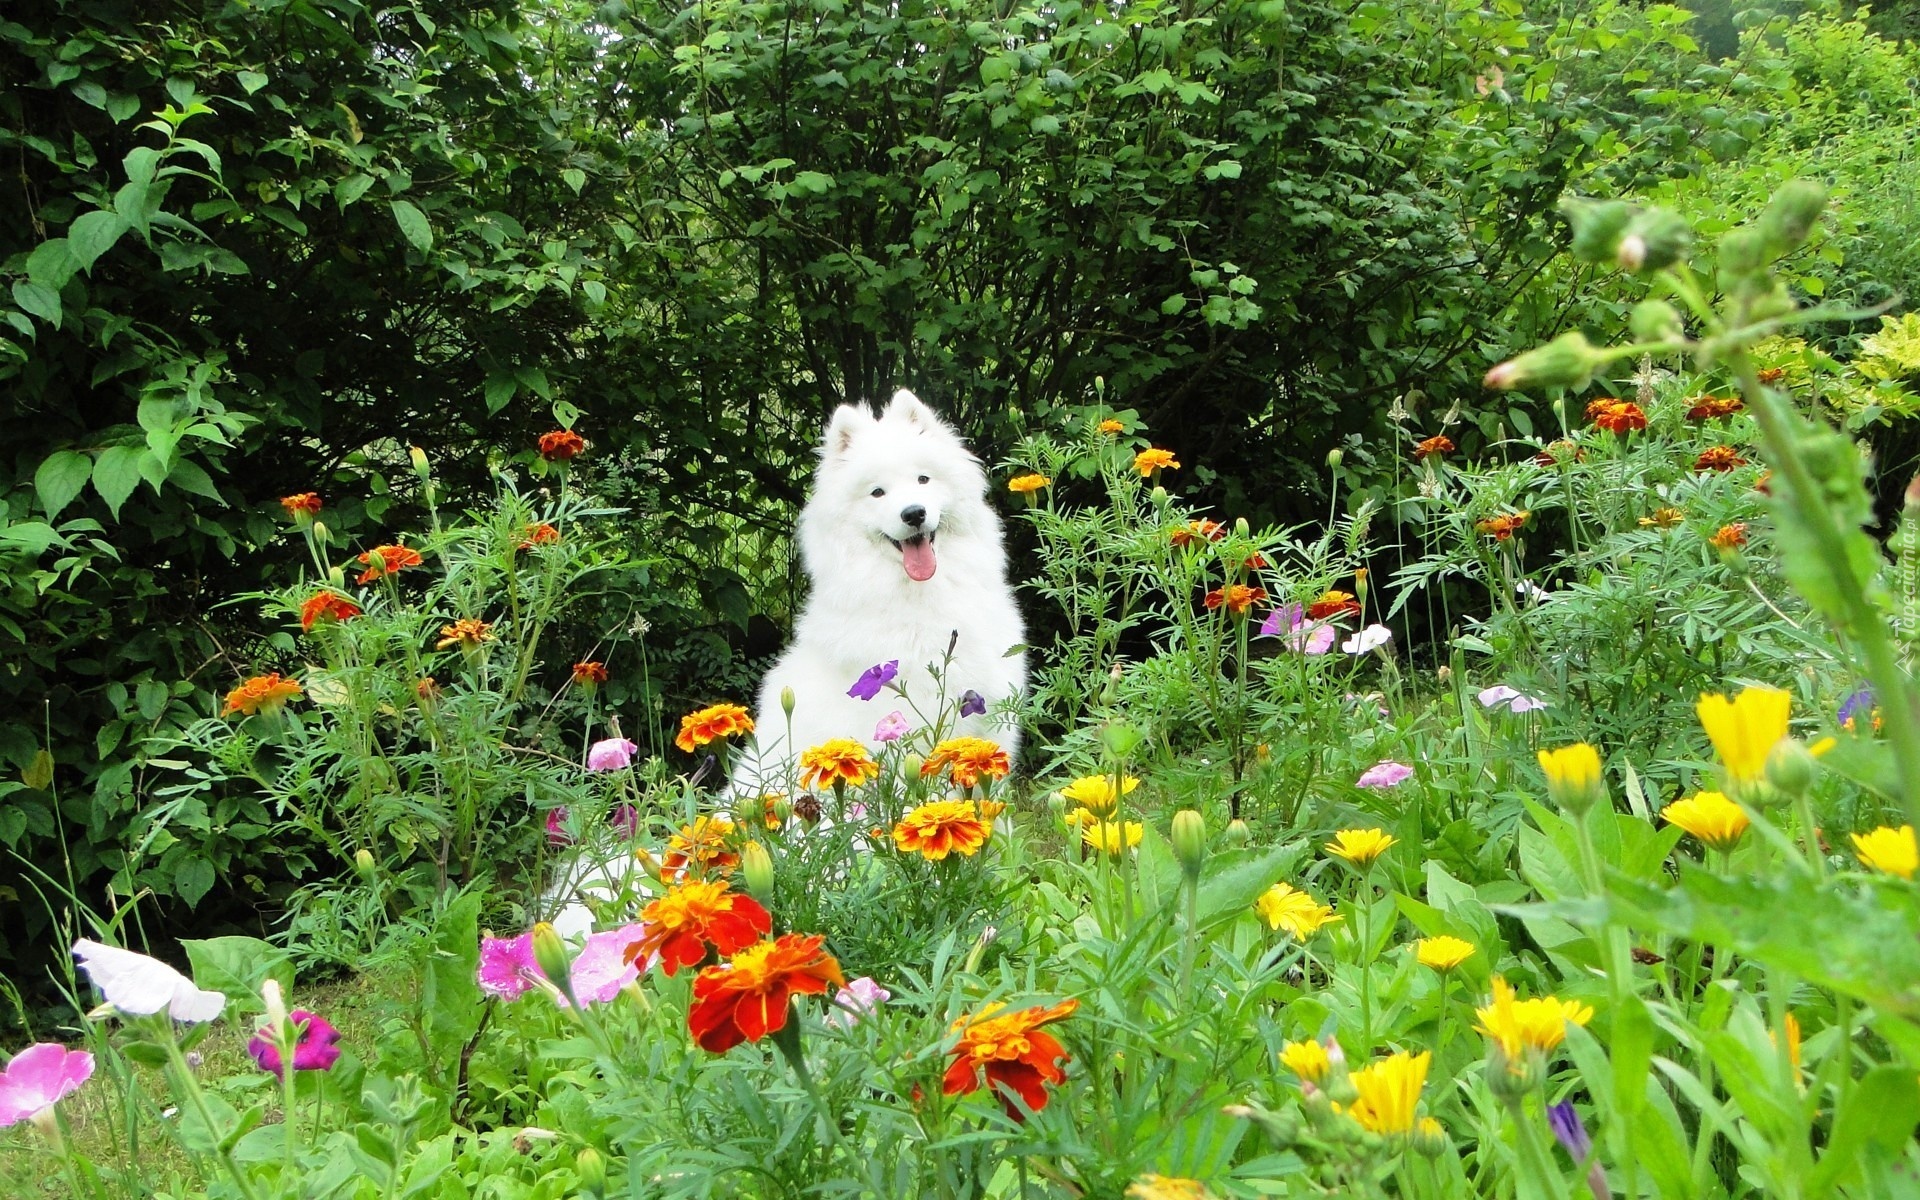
column 1241, row 527
column 1238, row 833
column 1506, row 1077
column 1791, row 215
column 1429, row 1138
column 1444, row 674
column 1653, row 241
column 550, row 954
column 1057, row 804
column 1567, row 361
column 1335, row 457
column 1282, row 1128
column 1742, row 251
column 1190, row 842
column 1597, row 226
column 418, row 458
column 1790, row 768
column 276, row 1006
column 320, row 533
column 336, row 577
column 787, row 701
column 363, row 864
column 1159, row 496
column 591, row 1167
column 1656, row 321
column 756, row 867
column 782, row 809
column 1573, row 777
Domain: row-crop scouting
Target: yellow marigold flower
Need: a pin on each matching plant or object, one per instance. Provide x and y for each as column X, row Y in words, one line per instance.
column 468, row 633
column 1390, row 1092
column 1096, row 793
column 1148, row 461
column 1309, row 1060
column 1890, row 850
column 1027, row 485
column 1284, row 906
column 1745, row 729
column 711, row 724
column 1110, row 426
column 707, row 844
column 1167, row 1187
column 1442, row 953
column 1573, row 776
column 1360, row 846
column 941, row 827
column 965, row 760
column 1664, row 517
column 1709, row 816
column 1111, row 837
column 838, row 760
column 1518, row 1026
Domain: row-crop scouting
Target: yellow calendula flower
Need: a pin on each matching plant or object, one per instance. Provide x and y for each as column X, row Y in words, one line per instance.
column 1027, row 485
column 1390, row 1092
column 1110, row 426
column 1745, row 729
column 1308, row 1060
column 1793, row 1041
column 1167, row 1187
column 1889, row 850
column 1518, row 1026
column 1573, row 776
column 1360, row 846
column 1709, row 816
column 1096, row 793
column 1284, row 906
column 1111, row 837
column 1442, row 953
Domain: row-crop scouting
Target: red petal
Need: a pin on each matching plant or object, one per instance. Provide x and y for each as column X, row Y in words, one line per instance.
column 960, row 1077
column 1022, row 1079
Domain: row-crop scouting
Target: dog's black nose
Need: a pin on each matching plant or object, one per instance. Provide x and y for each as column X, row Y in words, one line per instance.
column 914, row 515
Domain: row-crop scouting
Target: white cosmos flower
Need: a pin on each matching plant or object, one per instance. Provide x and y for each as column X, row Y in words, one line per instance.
column 138, row 985
column 1371, row 638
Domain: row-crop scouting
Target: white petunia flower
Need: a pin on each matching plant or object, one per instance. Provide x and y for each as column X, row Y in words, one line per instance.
column 138, row 985
column 1371, row 638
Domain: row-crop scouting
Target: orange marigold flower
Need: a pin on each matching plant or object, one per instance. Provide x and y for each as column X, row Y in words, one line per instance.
column 750, row 997
column 1255, row 562
column 261, row 694
column 1110, row 426
column 468, row 633
column 589, row 674
column 1601, row 407
column 330, row 606
column 302, row 504
column 1729, row 537
column 680, row 925
column 561, row 445
column 965, row 760
column 707, row 844
column 1236, row 597
column 1148, row 461
column 838, row 760
column 1439, row 443
column 1718, row 458
column 712, row 723
column 541, row 534
column 1764, row 484
column 1027, row 485
column 1333, row 604
column 1664, row 517
column 1621, row 417
column 1012, row 1053
column 941, row 827
column 770, row 803
column 387, row 560
column 1212, row 531
column 1504, row 526
column 1773, row 375
column 428, row 691
column 1706, row 408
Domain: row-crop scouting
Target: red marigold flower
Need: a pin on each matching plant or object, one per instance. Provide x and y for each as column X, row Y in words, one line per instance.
column 1718, row 458
column 301, row 505
column 680, row 925
column 1333, row 604
column 1621, row 417
column 1236, row 597
column 712, row 723
column 261, row 694
column 325, row 605
column 589, row 674
column 1439, row 443
column 1011, row 1052
column 1706, row 408
column 467, row 633
column 541, row 534
column 1729, row 537
column 561, row 445
column 1599, row 408
column 1255, row 562
column 1503, row 527
column 1212, row 531
column 750, row 997
column 707, row 843
column 1773, row 375
column 1764, row 484
column 387, row 560
column 965, row 760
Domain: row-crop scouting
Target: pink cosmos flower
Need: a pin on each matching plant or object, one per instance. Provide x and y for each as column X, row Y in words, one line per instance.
column 857, row 1000
column 612, row 754
column 557, row 834
column 313, row 1045
column 1502, row 696
column 1371, row 638
column 507, row 968
column 38, row 1078
column 892, row 727
column 625, row 820
column 1384, row 775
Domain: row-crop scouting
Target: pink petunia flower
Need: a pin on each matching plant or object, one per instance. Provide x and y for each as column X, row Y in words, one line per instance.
column 891, row 728
column 313, row 1045
column 1384, row 775
column 38, row 1078
column 557, row 834
column 507, row 968
column 613, row 754
column 1502, row 696
column 856, row 1000
column 625, row 820
column 601, row 968
column 1300, row 635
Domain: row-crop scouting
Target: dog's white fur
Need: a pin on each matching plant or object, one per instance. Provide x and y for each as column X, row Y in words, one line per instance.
column 864, row 609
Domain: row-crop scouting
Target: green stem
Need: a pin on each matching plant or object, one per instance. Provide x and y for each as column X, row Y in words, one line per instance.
column 1536, row 1165
column 189, row 1088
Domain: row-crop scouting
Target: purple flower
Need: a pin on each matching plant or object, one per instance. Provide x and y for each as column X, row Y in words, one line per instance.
column 856, row 1000
column 38, row 1078
column 1384, row 775
column 601, row 968
column 1282, row 619
column 557, row 834
column 313, row 1045
column 611, row 754
column 507, row 968
column 1572, row 1136
column 1860, row 703
column 972, row 704
column 891, row 728
column 1502, row 696
column 625, row 820
column 873, row 679
column 1302, row 636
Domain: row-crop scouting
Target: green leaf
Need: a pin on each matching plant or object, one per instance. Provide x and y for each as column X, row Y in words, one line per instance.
column 1234, row 879
column 250, row 81
column 38, row 299
column 60, row 479
column 33, row 538
column 116, row 473
column 93, row 234
column 51, row 264
column 413, row 224
column 450, row 991
column 192, row 880
column 351, row 188
column 1880, row 1111
column 501, row 385
column 237, row 965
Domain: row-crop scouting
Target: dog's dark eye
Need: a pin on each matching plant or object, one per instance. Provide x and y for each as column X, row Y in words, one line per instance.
column 877, row 493
column 923, row 479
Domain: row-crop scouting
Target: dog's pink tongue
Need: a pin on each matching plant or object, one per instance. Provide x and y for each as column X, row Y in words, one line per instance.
column 917, row 556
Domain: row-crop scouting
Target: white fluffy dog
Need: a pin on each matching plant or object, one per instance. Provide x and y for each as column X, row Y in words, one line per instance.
column 904, row 555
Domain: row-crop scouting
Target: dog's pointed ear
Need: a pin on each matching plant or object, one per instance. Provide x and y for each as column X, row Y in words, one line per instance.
column 905, row 406
column 846, row 423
